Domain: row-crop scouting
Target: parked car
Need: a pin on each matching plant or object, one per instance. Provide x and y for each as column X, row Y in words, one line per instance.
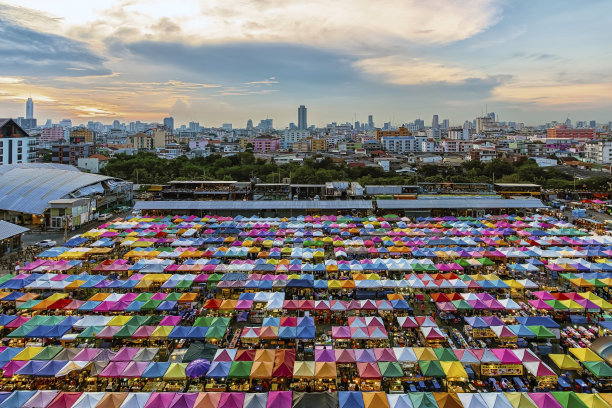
column 104, row 217
column 46, row 243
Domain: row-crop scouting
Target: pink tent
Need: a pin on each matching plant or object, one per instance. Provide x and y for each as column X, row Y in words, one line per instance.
column 41, row 399
column 544, row 400
column 208, row 399
column 65, row 400
column 170, row 321
column 368, row 370
column 160, row 400
column 184, row 400
column 231, row 400
column 18, row 322
column 108, row 332
column 384, row 354
column 341, row 332
column 87, row 354
column 143, row 332
column 114, row 369
column 8, row 370
column 345, row 356
column 540, row 304
column 134, row 369
column 279, row 399
column 506, row 356
column 125, row 354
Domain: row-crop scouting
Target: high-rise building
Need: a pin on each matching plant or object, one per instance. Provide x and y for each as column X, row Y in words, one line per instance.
column 445, row 124
column 227, row 126
column 116, row 124
column 249, row 124
column 370, row 122
column 302, row 119
column 194, row 126
column 435, row 124
column 419, row 124
column 169, row 123
column 30, row 109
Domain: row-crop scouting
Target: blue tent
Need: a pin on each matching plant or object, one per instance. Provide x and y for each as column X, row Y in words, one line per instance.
column 287, row 332
column 9, row 353
column 538, row 321
column 89, row 306
column 135, row 306
column 522, row 331
column 219, row 369
column 350, row 399
column 167, row 305
column 155, row 370
column 13, row 296
column 6, row 319
column 306, row 332
column 32, row 367
column 197, row 332
column 578, row 319
column 51, row 368
column 17, row 399
column 179, row 332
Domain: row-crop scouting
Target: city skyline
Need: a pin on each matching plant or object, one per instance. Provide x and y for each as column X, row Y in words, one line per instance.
column 203, row 61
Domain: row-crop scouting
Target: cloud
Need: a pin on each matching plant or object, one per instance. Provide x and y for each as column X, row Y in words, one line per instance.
column 26, row 52
column 555, row 94
column 412, row 71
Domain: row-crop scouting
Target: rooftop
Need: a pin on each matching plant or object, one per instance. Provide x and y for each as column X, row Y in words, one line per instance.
column 459, row 203
column 254, row 205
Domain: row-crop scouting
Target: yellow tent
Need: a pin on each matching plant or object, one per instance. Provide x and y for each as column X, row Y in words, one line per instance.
column 304, row 369
column 325, row 369
column 585, row 354
column 161, row 332
column 375, row 399
column 98, row 297
column 520, row 400
column 120, row 320
column 564, row 362
column 453, row 369
column 27, row 353
column 424, row 353
column 264, row 356
column 176, row 371
column 593, row 400
column 262, row 369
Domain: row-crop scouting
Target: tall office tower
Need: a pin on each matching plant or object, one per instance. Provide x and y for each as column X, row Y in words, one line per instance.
column 445, row 124
column 434, row 122
column 169, row 123
column 370, row 122
column 249, row 125
column 302, row 120
column 30, row 109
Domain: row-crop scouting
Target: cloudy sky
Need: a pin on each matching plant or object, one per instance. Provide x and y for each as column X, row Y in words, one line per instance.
column 216, row 61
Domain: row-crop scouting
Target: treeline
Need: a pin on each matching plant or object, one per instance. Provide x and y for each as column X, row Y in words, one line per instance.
column 147, row 168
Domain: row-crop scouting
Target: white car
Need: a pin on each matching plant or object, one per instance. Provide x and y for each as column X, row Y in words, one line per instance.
column 104, row 217
column 46, row 243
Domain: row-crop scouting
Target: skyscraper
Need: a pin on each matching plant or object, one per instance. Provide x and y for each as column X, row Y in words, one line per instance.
column 30, row 109
column 302, row 120
column 435, row 124
column 370, row 122
column 169, row 123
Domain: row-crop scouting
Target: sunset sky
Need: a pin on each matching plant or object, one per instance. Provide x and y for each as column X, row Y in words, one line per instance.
column 216, row 61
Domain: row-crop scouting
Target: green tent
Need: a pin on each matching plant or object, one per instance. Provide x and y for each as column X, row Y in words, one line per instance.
column 541, row 332
column 151, row 304
column 176, row 371
column 568, row 399
column 568, row 276
column 220, row 322
column 200, row 350
column 445, row 354
column 486, row 261
column 48, row 353
column 464, row 263
column 462, row 304
column 6, row 277
column 597, row 283
column 599, row 368
column 390, row 369
column 21, row 331
column 555, row 304
column 90, row 332
column 143, row 297
column 173, row 296
column 28, row 305
column 240, row 369
column 214, row 278
column 125, row 332
column 215, row 332
column 184, row 284
column 203, row 321
column 431, row 368
column 423, row 400
column 137, row 320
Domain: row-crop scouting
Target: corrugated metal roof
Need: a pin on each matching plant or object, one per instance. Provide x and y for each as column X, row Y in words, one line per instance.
column 459, row 203
column 253, row 205
column 29, row 190
column 8, row 230
column 44, row 166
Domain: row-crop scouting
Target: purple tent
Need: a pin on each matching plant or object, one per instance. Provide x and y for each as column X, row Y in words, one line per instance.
column 170, row 321
column 197, row 368
column 279, row 399
column 184, row 400
column 40, row 399
column 325, row 355
column 125, row 354
column 114, row 369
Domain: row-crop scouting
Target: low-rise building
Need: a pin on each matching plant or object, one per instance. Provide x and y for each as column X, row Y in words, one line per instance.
column 16, row 145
